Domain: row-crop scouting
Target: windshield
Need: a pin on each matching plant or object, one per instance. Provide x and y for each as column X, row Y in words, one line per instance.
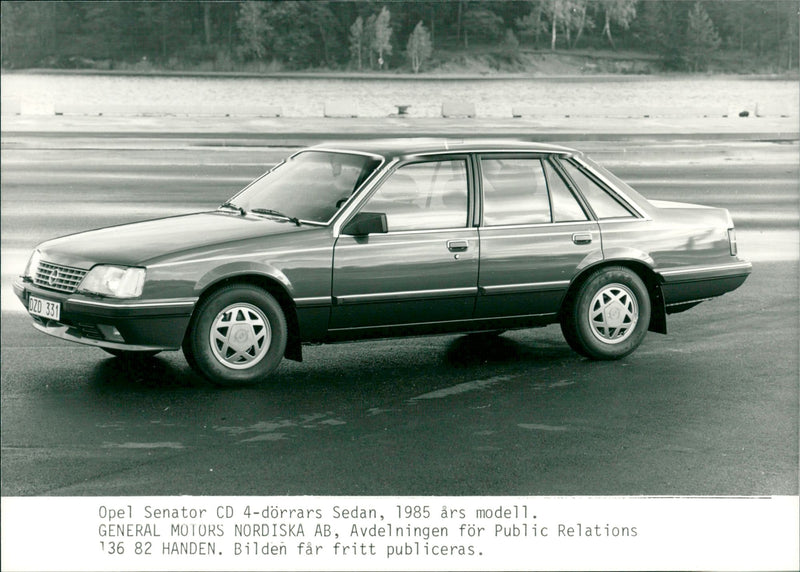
column 309, row 186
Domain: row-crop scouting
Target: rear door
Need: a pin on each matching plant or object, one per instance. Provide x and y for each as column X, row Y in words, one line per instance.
column 535, row 235
column 425, row 268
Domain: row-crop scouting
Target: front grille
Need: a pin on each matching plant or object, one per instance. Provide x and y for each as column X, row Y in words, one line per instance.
column 57, row 277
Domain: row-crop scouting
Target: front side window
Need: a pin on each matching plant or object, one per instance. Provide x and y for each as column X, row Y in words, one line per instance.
column 423, row 196
column 514, row 191
column 602, row 203
column 310, row 186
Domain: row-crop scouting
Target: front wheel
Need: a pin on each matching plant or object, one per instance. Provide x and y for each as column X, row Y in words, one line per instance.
column 238, row 335
column 609, row 316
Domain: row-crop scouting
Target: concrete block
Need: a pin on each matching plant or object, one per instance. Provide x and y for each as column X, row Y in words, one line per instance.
column 37, row 108
column 616, row 111
column 76, row 109
column 458, row 109
column 111, row 109
column 160, row 110
column 258, row 111
column 341, row 108
column 9, row 106
column 195, row 110
column 533, row 111
column 155, row 110
column 226, row 111
column 680, row 111
column 776, row 109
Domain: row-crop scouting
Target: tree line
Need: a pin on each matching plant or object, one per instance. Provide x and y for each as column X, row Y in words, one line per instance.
column 374, row 35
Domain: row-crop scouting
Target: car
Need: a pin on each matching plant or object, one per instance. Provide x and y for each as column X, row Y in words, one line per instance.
column 382, row 238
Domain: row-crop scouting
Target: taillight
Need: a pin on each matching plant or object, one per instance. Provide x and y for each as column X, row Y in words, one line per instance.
column 732, row 241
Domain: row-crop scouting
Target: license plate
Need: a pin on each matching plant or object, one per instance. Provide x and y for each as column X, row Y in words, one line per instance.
column 44, row 308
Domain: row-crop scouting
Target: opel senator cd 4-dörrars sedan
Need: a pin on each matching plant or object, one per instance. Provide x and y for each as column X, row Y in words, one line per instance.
column 388, row 238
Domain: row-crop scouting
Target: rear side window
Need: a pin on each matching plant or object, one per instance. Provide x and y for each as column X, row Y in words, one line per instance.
column 602, row 203
column 514, row 191
column 565, row 205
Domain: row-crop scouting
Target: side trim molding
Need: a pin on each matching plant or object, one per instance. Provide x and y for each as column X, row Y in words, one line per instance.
column 403, row 296
column 313, row 301
column 705, row 272
column 177, row 303
column 523, row 288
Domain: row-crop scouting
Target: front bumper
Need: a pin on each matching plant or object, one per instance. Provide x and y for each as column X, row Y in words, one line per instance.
column 133, row 325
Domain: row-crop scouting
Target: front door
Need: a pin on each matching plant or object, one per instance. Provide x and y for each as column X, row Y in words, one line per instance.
column 425, row 268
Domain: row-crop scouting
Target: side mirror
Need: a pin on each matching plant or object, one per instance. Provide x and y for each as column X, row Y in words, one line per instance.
column 366, row 223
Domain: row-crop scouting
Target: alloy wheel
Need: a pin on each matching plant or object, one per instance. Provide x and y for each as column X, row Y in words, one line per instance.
column 240, row 336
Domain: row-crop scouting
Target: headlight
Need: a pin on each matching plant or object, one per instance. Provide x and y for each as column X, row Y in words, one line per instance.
column 33, row 264
column 116, row 281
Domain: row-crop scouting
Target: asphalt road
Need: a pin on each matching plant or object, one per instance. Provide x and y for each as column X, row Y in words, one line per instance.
column 711, row 408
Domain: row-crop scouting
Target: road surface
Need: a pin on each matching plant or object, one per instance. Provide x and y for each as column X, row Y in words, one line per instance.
column 711, row 408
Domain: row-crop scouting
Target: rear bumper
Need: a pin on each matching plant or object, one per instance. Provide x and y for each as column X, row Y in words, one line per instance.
column 694, row 284
column 134, row 325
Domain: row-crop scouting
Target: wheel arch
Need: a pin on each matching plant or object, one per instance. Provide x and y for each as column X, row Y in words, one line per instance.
column 658, row 312
column 277, row 290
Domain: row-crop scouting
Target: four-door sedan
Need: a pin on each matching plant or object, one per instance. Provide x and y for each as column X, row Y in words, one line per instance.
column 388, row 238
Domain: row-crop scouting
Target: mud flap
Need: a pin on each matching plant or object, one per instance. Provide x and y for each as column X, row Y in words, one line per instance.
column 658, row 311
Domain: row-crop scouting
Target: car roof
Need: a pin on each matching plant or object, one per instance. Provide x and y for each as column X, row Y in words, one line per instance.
column 402, row 147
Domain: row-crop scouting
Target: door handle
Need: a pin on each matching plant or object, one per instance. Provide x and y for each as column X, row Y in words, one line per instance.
column 457, row 245
column 582, row 238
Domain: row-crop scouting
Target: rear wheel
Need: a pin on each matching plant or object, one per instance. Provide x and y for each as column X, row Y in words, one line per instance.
column 238, row 335
column 609, row 316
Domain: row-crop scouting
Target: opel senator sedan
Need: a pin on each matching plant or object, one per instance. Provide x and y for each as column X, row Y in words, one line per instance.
column 388, row 238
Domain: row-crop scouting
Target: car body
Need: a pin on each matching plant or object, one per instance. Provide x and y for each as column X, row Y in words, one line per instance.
column 382, row 238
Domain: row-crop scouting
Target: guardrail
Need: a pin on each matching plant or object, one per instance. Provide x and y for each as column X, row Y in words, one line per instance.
column 350, row 109
column 167, row 110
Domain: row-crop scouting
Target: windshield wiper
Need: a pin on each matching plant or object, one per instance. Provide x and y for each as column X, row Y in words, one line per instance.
column 271, row 212
column 230, row 205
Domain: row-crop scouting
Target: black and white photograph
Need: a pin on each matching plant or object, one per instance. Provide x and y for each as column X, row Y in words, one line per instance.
column 400, row 285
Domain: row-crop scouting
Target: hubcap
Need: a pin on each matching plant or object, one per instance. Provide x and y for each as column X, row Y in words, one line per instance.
column 240, row 336
column 613, row 314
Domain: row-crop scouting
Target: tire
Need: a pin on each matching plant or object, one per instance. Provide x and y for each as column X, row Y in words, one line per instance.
column 244, row 353
column 609, row 315
column 131, row 354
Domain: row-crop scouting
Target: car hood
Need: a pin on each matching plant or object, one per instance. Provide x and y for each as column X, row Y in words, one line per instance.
column 137, row 243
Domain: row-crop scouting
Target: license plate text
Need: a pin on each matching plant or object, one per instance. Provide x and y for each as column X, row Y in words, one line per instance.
column 44, row 308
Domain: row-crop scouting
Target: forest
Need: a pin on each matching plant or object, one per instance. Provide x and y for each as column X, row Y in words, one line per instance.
column 757, row 36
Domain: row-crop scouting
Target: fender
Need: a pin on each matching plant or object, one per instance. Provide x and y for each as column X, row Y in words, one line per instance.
column 632, row 257
column 243, row 268
column 593, row 258
column 623, row 253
